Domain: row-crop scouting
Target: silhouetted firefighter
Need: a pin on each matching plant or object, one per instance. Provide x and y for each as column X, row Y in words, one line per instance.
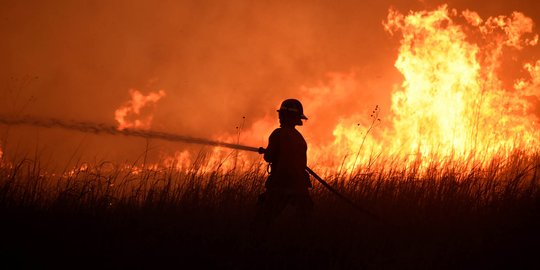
column 288, row 182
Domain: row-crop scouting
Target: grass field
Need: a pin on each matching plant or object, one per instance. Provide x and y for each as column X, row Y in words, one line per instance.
column 108, row 215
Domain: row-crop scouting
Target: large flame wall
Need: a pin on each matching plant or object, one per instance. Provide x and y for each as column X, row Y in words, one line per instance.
column 452, row 103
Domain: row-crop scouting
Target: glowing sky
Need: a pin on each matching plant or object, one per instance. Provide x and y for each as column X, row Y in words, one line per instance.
column 217, row 60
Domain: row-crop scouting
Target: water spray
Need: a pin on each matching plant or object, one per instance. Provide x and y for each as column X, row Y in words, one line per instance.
column 100, row 128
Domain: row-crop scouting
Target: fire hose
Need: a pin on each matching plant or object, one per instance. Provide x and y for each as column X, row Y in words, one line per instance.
column 98, row 128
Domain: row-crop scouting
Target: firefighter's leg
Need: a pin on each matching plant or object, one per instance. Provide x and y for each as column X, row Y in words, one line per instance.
column 304, row 209
column 269, row 206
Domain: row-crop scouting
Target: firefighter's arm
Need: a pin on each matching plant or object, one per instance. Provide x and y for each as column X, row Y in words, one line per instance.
column 270, row 152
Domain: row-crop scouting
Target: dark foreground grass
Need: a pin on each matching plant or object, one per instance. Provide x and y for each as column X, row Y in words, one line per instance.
column 107, row 216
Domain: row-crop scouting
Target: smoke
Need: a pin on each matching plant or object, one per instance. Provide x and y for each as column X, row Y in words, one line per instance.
column 218, row 61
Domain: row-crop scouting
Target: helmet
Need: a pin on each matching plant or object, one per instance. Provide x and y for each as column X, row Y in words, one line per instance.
column 293, row 106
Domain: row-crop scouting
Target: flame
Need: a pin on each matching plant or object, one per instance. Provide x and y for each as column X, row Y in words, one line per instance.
column 453, row 105
column 208, row 159
column 132, row 115
column 452, row 102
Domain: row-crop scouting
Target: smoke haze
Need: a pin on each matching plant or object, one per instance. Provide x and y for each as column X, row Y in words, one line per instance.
column 217, row 61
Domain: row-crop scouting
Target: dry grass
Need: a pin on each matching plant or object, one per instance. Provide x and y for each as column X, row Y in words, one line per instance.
column 124, row 215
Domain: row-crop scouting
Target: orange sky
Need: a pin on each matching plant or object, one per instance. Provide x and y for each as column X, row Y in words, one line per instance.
column 217, row 61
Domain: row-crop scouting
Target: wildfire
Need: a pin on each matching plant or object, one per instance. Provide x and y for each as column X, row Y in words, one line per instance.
column 209, row 159
column 452, row 102
column 452, row 106
column 132, row 114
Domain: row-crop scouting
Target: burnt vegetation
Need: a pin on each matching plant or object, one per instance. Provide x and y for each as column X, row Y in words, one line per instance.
column 105, row 214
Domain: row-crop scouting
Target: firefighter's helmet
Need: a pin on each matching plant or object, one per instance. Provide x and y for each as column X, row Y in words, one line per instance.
column 294, row 107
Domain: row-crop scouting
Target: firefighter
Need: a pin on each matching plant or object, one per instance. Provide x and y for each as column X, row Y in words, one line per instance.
column 288, row 182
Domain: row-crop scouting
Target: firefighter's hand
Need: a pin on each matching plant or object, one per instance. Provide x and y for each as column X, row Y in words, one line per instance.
column 261, row 150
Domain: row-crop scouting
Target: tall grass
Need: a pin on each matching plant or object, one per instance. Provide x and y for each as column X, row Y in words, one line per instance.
column 111, row 214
